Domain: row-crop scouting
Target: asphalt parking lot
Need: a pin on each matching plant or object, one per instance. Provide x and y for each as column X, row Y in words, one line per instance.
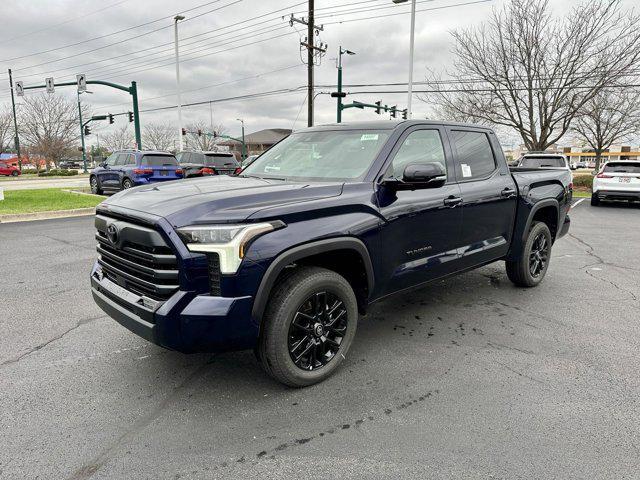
column 469, row 377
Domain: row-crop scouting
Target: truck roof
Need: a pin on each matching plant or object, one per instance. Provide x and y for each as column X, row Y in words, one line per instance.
column 390, row 125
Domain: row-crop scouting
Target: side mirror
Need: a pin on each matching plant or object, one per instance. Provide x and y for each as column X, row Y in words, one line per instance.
column 423, row 173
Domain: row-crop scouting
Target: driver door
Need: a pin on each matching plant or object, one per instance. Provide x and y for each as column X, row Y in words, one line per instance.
column 107, row 175
column 421, row 229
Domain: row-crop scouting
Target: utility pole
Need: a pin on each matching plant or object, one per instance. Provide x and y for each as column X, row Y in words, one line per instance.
column 411, row 43
column 15, row 122
column 176, row 19
column 243, row 155
column 312, row 51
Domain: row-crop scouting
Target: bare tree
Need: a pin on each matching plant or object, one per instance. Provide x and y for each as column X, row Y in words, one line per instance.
column 49, row 125
column 6, row 130
column 205, row 141
column 527, row 71
column 119, row 139
column 613, row 115
column 159, row 136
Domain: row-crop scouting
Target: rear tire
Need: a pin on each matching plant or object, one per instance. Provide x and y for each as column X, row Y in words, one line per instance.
column 14, row 173
column 324, row 308
column 95, row 186
column 595, row 200
column 531, row 267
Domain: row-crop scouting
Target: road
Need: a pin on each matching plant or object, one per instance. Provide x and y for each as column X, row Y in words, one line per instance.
column 467, row 378
column 45, row 183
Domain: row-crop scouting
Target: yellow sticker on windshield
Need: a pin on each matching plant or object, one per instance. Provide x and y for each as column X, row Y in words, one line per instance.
column 368, row 136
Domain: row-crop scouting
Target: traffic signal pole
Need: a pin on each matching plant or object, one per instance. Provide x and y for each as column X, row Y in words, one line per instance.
column 15, row 122
column 339, row 97
column 132, row 90
column 84, row 153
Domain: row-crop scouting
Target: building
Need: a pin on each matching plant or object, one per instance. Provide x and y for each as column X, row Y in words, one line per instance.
column 616, row 152
column 257, row 142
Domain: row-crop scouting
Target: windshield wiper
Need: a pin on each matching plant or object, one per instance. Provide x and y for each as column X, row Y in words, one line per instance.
column 262, row 178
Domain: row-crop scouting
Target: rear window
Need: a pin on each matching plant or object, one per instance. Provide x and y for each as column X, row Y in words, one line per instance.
column 539, row 161
column 159, row 160
column 222, row 161
column 619, row 167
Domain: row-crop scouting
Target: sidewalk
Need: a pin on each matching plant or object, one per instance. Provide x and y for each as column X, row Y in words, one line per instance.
column 45, row 182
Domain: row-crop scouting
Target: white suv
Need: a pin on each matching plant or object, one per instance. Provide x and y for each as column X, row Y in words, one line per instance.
column 543, row 160
column 617, row 181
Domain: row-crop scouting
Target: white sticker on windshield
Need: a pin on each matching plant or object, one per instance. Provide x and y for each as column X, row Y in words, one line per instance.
column 368, row 136
column 466, row 170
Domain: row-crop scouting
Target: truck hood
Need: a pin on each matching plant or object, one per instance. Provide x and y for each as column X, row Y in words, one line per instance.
column 216, row 199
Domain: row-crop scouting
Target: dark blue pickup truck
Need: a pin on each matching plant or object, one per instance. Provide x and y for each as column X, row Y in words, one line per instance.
column 284, row 257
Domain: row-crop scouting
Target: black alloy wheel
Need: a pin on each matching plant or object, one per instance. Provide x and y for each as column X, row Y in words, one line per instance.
column 539, row 255
column 317, row 330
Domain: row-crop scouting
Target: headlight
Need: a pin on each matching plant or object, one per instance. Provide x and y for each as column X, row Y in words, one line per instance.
column 228, row 241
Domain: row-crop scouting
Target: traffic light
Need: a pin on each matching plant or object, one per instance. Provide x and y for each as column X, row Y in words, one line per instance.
column 199, row 132
column 393, row 111
column 87, row 130
column 404, row 114
column 378, row 107
column 130, row 116
column 184, row 131
column 111, row 120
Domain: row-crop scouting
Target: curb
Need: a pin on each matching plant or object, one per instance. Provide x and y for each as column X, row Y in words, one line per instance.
column 29, row 217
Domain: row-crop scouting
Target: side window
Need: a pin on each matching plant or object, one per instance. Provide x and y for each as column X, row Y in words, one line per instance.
column 111, row 161
column 475, row 156
column 131, row 159
column 122, row 159
column 421, row 146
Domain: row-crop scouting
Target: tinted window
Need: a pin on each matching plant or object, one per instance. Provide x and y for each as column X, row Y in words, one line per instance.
column 475, row 157
column 421, row 146
column 221, row 161
column 112, row 159
column 158, row 160
column 619, row 167
column 540, row 161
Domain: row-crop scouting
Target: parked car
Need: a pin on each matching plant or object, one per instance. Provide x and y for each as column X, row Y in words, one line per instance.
column 581, row 164
column 129, row 168
column 9, row 170
column 70, row 164
column 249, row 160
column 283, row 257
column 617, row 181
column 544, row 160
column 198, row 164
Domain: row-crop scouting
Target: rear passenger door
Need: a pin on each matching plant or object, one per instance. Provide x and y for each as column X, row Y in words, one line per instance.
column 489, row 195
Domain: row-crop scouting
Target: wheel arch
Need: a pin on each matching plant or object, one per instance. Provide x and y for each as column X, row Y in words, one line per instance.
column 316, row 253
column 547, row 210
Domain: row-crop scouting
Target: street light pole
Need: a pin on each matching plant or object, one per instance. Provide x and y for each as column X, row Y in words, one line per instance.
column 84, row 154
column 176, row 19
column 339, row 96
column 243, row 155
column 411, row 42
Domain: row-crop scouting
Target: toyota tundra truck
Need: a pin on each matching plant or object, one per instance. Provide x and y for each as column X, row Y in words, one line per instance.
column 284, row 257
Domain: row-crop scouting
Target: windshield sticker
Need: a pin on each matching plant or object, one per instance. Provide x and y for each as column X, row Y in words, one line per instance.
column 368, row 137
column 466, row 170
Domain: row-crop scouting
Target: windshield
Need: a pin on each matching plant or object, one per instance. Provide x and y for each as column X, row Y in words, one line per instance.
column 539, row 161
column 159, row 160
column 617, row 167
column 221, row 161
column 324, row 155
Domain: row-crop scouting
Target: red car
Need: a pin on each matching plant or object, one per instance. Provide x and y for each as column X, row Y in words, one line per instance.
column 9, row 170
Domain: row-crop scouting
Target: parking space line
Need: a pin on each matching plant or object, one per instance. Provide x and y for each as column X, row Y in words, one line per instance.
column 578, row 202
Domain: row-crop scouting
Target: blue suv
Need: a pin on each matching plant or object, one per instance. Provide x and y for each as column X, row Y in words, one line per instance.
column 130, row 168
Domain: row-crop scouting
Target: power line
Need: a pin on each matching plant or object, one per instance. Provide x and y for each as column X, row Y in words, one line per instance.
column 118, row 32
column 51, row 27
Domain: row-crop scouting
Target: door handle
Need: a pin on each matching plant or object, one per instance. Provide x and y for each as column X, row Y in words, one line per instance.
column 508, row 192
column 452, row 201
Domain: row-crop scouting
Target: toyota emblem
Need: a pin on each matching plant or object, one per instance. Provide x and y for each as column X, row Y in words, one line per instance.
column 112, row 233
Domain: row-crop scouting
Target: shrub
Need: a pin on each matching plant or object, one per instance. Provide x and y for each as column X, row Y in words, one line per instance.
column 29, row 171
column 583, row 181
column 57, row 173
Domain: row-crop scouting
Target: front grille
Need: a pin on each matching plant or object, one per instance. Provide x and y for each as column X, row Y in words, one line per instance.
column 139, row 261
column 214, row 273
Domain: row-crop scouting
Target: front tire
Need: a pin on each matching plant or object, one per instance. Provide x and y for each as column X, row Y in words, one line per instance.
column 531, row 267
column 595, row 200
column 95, row 186
column 309, row 325
column 127, row 184
column 14, row 173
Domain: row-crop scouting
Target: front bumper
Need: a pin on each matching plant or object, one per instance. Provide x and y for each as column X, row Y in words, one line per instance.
column 186, row 322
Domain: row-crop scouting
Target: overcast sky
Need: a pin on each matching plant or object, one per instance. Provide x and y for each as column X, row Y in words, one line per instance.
column 220, row 63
